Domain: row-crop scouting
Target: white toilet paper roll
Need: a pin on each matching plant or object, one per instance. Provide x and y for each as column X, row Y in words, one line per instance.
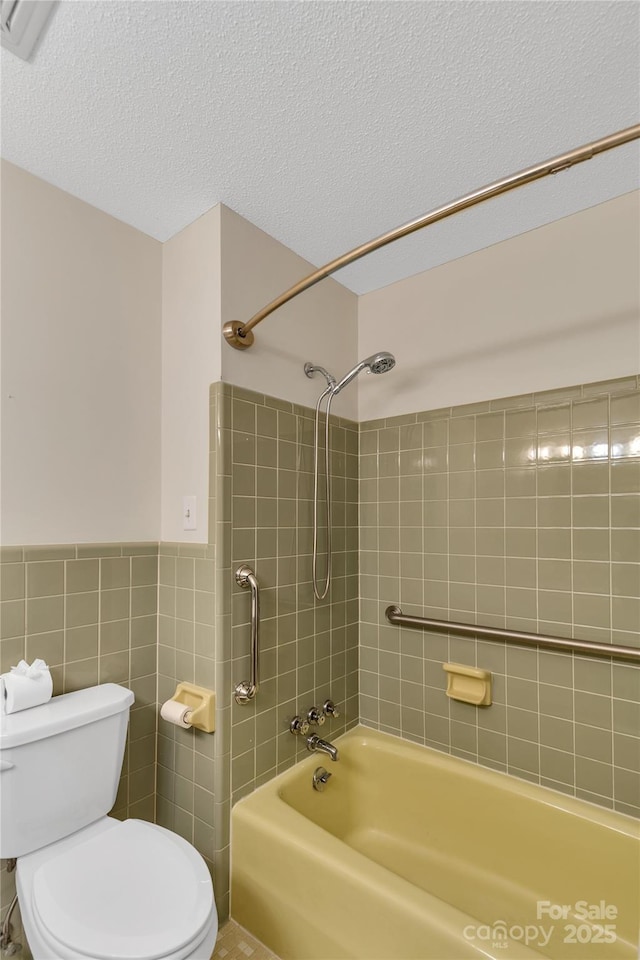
column 175, row 712
column 22, row 692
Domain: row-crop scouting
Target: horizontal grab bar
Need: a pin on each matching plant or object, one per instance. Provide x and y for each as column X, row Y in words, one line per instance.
column 395, row 615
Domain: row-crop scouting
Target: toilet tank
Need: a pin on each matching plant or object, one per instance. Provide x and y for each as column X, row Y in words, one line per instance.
column 60, row 766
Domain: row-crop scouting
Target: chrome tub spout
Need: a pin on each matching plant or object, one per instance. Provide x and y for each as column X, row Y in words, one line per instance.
column 316, row 744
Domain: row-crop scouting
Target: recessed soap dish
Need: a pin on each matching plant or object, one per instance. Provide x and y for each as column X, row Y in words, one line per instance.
column 469, row 684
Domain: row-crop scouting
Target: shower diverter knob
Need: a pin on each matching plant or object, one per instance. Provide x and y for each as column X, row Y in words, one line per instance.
column 316, row 716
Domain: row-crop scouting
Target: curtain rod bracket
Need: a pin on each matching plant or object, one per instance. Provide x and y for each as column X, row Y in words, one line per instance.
column 235, row 335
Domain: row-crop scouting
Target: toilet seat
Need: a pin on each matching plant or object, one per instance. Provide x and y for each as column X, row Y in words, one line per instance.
column 129, row 892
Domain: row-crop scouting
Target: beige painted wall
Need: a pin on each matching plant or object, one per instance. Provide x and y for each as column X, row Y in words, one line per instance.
column 223, row 267
column 552, row 307
column 104, row 432
column 108, row 359
column 319, row 325
column 190, row 363
column 80, row 370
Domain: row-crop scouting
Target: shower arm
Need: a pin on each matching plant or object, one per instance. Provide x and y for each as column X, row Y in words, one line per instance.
column 240, row 335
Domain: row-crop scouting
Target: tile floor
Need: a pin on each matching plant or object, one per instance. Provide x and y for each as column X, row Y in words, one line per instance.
column 234, row 943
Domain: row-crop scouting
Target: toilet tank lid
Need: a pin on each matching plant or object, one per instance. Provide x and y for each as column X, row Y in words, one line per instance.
column 63, row 713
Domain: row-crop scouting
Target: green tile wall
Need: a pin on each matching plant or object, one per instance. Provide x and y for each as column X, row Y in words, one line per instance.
column 309, row 647
column 186, row 652
column 521, row 513
column 89, row 611
column 261, row 486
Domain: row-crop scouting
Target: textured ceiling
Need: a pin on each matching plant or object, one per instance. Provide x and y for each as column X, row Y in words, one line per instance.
column 327, row 123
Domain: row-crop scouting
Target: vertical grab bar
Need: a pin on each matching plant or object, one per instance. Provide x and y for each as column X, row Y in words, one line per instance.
column 246, row 690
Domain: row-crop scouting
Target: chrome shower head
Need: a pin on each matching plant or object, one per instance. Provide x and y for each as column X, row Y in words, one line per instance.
column 377, row 363
column 380, row 362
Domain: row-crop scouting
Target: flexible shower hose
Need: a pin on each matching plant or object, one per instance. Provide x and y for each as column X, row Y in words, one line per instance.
column 321, row 594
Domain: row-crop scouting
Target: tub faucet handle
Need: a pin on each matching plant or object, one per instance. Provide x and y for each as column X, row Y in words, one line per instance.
column 330, row 709
column 316, row 716
column 299, row 726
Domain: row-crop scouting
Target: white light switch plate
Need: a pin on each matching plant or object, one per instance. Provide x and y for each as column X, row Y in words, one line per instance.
column 188, row 513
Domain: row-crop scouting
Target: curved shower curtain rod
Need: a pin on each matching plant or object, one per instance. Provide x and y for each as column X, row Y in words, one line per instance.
column 240, row 335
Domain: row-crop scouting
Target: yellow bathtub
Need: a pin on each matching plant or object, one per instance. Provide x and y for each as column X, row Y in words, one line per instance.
column 409, row 854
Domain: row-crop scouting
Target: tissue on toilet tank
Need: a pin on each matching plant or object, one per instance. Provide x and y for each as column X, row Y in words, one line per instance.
column 25, row 686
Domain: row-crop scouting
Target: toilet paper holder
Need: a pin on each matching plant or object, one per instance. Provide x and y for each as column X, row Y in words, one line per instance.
column 202, row 704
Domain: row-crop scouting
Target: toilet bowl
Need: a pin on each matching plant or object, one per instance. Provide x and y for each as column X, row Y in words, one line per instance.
column 117, row 891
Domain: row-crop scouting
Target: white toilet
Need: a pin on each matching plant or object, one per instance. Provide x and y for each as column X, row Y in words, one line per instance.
column 91, row 887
